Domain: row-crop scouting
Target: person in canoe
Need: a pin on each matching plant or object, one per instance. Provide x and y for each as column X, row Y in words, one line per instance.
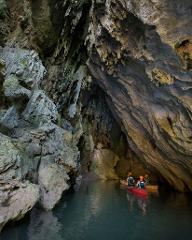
column 141, row 183
column 130, row 180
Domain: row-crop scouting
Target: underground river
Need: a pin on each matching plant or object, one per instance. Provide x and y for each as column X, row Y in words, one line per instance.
column 103, row 210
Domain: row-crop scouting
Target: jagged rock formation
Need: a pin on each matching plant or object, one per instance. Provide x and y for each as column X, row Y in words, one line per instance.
column 115, row 82
column 134, row 48
column 35, row 148
column 17, row 199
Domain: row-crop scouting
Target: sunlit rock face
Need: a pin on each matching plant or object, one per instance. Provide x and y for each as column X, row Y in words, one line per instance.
column 140, row 55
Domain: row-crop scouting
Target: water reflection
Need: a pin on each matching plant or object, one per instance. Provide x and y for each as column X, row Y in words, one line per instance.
column 44, row 225
column 140, row 202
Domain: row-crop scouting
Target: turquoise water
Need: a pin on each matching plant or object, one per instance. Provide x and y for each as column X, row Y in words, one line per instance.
column 102, row 210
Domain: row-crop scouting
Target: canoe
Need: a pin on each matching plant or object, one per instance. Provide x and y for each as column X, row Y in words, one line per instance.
column 134, row 190
column 138, row 191
column 149, row 188
column 152, row 188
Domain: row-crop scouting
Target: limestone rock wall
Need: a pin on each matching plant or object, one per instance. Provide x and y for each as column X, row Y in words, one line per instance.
column 136, row 56
column 36, row 158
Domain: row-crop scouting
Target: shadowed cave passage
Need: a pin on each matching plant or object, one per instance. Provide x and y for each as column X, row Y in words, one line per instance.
column 105, row 151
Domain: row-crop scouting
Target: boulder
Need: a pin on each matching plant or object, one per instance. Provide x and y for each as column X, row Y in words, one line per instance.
column 53, row 182
column 17, row 202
